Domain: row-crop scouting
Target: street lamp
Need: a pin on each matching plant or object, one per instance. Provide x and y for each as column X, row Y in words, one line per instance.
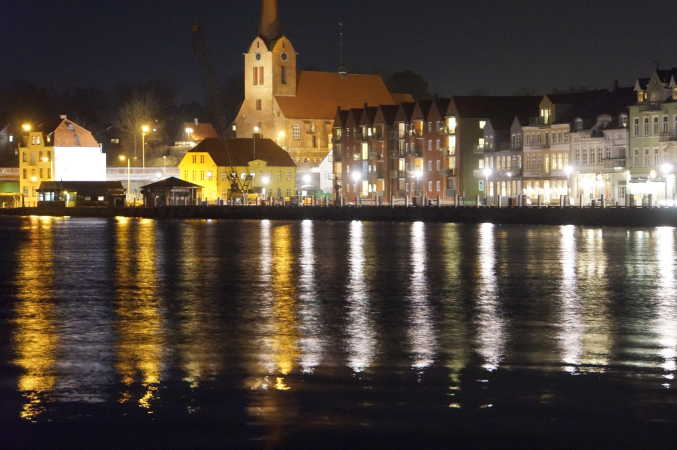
column 487, row 172
column 666, row 170
column 129, row 174
column 257, row 130
column 265, row 180
column 568, row 171
column 145, row 129
column 27, row 127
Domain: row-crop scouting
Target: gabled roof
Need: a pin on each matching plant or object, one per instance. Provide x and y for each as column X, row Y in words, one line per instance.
column 341, row 118
column 169, row 183
column 319, row 94
column 240, row 152
column 405, row 112
column 422, row 109
column 70, row 134
column 388, row 113
column 399, row 97
column 642, row 83
column 666, row 75
column 368, row 115
column 201, row 131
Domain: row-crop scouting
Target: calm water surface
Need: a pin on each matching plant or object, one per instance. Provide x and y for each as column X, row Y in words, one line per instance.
column 246, row 334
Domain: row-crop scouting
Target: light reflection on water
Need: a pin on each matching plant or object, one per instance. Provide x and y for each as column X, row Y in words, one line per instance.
column 176, row 307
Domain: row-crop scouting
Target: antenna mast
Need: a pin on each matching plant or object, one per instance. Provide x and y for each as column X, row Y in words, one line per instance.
column 342, row 68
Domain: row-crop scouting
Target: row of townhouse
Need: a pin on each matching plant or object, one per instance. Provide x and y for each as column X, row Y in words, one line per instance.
column 425, row 151
column 617, row 145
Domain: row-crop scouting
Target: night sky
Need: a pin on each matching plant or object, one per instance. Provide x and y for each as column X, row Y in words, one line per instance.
column 496, row 46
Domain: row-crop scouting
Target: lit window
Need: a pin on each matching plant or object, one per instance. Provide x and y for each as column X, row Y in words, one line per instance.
column 35, row 140
column 296, row 132
column 11, row 138
column 438, row 186
column 452, row 123
column 483, row 123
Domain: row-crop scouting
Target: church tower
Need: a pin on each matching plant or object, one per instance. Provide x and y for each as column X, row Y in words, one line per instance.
column 270, row 71
column 269, row 25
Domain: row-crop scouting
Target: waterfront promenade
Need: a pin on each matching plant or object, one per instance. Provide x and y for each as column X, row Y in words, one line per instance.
column 639, row 217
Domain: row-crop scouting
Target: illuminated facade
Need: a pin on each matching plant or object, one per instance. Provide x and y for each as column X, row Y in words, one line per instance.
column 652, row 156
column 65, row 152
column 213, row 162
column 297, row 108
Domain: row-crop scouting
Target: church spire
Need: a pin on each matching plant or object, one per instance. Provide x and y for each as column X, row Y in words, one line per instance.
column 269, row 28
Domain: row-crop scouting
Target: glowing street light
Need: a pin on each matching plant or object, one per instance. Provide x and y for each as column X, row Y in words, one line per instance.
column 27, row 127
column 307, row 179
column 568, row 171
column 265, row 180
column 487, row 172
column 666, row 170
column 145, row 129
column 357, row 176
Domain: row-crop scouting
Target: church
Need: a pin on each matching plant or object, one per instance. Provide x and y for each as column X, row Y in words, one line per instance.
column 297, row 108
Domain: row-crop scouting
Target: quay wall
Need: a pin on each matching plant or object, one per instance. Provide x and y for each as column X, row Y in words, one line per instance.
column 637, row 217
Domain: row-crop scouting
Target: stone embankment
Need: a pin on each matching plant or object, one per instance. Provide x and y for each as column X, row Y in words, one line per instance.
column 640, row 217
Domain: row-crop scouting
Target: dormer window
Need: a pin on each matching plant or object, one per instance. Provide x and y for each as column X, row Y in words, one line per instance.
column 623, row 120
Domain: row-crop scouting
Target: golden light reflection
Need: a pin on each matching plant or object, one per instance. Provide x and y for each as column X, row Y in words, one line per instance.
column 36, row 337
column 360, row 328
column 453, row 338
column 285, row 342
column 490, row 323
column 596, row 339
column 279, row 335
column 309, row 308
column 571, row 328
column 422, row 339
column 139, row 323
column 666, row 294
column 199, row 353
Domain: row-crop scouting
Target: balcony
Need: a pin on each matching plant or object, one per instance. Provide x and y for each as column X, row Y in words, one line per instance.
column 9, row 173
column 613, row 163
column 650, row 106
column 668, row 137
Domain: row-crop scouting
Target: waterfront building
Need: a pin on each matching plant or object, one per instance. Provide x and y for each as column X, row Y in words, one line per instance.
column 652, row 154
column 64, row 152
column 226, row 168
column 410, row 164
column 466, row 120
column 69, row 194
column 170, row 192
column 297, row 108
column 546, row 145
column 192, row 133
column 599, row 144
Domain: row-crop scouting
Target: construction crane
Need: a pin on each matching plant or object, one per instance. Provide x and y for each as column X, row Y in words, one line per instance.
column 215, row 104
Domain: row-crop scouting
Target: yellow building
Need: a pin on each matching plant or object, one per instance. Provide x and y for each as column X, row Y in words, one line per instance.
column 262, row 167
column 61, row 151
column 36, row 165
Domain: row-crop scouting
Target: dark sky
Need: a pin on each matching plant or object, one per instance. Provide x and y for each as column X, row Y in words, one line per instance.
column 496, row 46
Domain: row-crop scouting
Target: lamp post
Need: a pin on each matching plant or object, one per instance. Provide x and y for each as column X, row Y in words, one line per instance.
column 418, row 174
column 145, row 129
column 568, row 171
column 487, row 174
column 129, row 173
column 666, row 170
column 357, row 176
column 265, row 180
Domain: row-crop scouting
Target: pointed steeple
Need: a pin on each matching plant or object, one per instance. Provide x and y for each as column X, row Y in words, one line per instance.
column 269, row 27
